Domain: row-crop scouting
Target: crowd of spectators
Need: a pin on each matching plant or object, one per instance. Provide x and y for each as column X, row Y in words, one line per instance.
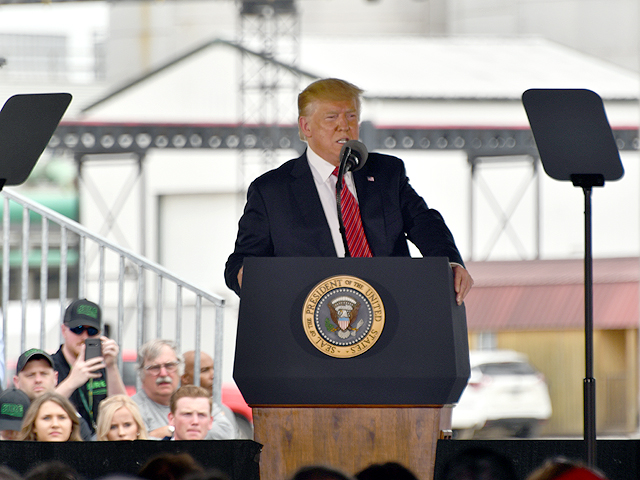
column 71, row 396
column 66, row 397
column 478, row 465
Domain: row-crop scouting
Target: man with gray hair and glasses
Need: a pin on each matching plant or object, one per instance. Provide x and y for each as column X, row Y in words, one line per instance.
column 159, row 366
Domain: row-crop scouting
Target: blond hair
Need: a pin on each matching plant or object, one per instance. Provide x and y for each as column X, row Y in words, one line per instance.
column 327, row 89
column 107, row 409
column 29, row 420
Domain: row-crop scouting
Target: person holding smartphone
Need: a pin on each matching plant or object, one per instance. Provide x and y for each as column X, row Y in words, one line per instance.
column 87, row 379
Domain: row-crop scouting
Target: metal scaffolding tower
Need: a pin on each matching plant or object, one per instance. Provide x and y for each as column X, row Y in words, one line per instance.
column 267, row 89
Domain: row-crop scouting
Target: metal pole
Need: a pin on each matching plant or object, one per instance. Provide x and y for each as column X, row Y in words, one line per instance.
column 589, row 381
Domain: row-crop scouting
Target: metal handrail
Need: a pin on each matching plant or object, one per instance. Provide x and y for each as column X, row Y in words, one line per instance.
column 142, row 266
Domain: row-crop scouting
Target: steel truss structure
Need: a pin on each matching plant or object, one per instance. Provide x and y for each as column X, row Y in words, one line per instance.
column 95, row 138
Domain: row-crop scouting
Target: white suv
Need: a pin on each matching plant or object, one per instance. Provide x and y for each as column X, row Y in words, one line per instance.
column 504, row 392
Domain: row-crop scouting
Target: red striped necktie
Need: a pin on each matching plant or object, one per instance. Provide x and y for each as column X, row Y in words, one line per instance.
column 356, row 239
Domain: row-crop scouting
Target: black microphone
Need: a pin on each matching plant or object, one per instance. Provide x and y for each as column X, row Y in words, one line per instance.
column 353, row 155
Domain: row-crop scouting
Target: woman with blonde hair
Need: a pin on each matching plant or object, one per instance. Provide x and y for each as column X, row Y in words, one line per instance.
column 51, row 418
column 120, row 419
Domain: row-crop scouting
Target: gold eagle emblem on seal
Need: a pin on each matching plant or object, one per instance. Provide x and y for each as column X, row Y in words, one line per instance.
column 343, row 316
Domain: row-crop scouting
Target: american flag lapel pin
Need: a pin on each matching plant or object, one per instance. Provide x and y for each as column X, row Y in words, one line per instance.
column 371, row 179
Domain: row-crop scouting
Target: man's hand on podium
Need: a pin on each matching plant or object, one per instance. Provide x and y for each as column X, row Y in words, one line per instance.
column 462, row 282
column 240, row 276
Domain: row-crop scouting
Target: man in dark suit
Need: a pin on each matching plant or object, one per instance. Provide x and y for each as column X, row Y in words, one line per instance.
column 291, row 210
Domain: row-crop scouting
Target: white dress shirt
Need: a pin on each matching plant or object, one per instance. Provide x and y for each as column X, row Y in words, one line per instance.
column 326, row 185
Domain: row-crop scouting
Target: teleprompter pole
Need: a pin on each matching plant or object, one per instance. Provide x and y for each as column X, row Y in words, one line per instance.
column 589, row 386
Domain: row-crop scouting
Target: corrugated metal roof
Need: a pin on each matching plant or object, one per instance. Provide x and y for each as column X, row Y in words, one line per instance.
column 549, row 294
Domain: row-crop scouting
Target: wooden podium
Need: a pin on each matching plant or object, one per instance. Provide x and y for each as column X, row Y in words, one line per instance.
column 314, row 400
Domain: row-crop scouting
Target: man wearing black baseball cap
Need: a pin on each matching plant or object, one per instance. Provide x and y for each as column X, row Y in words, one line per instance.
column 13, row 405
column 36, row 375
column 86, row 383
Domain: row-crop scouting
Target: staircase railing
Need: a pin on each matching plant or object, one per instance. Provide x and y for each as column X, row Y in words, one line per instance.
column 112, row 276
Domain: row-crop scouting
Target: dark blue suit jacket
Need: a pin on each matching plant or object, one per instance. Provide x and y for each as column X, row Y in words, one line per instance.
column 284, row 217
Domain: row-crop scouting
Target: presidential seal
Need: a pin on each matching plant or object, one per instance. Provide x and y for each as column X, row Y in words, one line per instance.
column 343, row 316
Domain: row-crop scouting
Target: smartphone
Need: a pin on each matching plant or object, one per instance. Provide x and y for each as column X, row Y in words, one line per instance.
column 93, row 348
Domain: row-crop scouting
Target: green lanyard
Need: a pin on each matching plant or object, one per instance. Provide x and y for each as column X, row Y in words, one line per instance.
column 88, row 408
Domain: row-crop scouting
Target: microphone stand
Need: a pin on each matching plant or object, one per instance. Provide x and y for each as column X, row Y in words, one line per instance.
column 341, row 172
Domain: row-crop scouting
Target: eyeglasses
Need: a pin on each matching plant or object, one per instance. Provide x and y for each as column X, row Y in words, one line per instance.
column 170, row 367
column 81, row 328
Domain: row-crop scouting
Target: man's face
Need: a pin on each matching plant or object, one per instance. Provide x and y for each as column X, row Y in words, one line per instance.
column 206, row 371
column 329, row 126
column 73, row 341
column 161, row 376
column 192, row 418
column 36, row 378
